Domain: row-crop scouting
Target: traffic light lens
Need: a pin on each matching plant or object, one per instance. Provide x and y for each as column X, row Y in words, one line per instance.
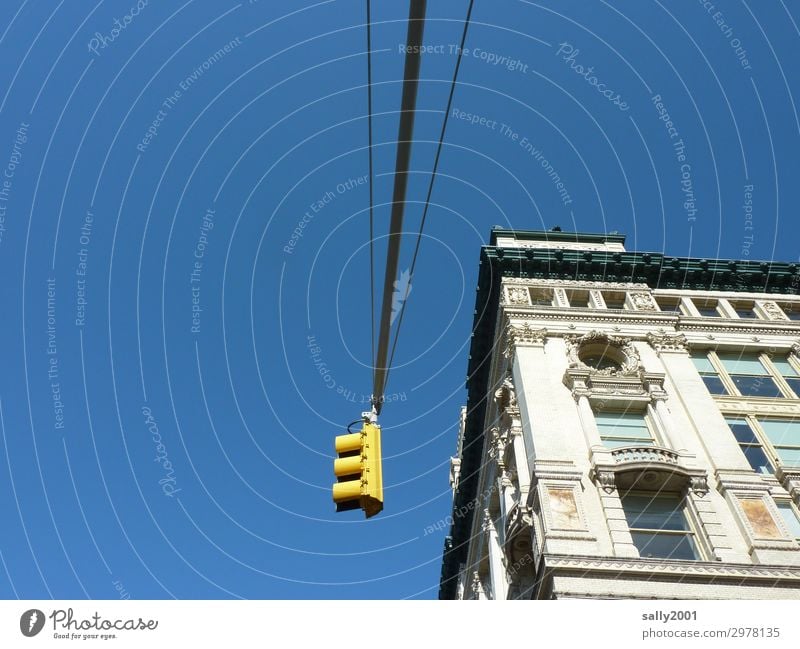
column 347, row 466
column 349, row 489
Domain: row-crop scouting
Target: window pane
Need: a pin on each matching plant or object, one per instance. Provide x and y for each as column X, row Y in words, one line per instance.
column 708, row 311
column 702, row 363
column 741, row 430
column 541, row 296
column 614, row 300
column 789, row 456
column 784, row 367
column 714, row 385
column 664, row 546
column 624, row 431
column 745, row 312
column 795, row 385
column 782, row 432
column 757, row 459
column 622, row 443
column 656, row 513
column 669, row 305
column 742, row 364
column 790, row 518
column 620, row 418
column 756, row 386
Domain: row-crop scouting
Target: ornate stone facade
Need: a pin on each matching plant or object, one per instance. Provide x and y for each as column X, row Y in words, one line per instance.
column 550, row 515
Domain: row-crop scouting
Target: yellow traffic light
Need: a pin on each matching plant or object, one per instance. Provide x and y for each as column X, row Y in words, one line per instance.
column 358, row 469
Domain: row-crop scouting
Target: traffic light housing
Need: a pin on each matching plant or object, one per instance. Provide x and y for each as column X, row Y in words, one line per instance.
column 358, row 469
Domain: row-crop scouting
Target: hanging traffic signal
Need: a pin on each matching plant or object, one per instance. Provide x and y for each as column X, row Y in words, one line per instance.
column 358, row 469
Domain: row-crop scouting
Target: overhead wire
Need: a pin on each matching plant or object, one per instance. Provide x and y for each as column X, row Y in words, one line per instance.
column 430, row 189
column 416, row 25
column 371, row 202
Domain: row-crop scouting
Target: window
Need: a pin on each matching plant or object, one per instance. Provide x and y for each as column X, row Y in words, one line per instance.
column 789, row 373
column 792, row 310
column 784, row 435
column 750, row 445
column 541, row 296
column 669, row 304
column 790, row 517
column 707, row 309
column 619, row 429
column 708, row 373
column 659, row 526
column 744, row 309
column 578, row 298
column 749, row 375
column 614, row 300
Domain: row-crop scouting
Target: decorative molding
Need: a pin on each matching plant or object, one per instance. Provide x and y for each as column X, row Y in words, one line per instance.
column 681, row 569
column 518, row 295
column 555, row 470
column 790, row 481
column 651, row 468
column 576, row 283
column 561, row 298
column 654, row 454
column 477, row 586
column 698, row 484
column 740, row 481
column 643, row 301
column 630, row 364
column 487, row 524
column 519, row 540
column 772, row 310
column 795, row 349
column 455, row 472
column 664, row 342
column 560, row 245
column 516, row 335
column 506, row 396
column 766, row 405
column 606, row 480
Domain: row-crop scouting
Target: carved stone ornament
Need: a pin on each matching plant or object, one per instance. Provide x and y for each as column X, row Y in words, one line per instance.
column 663, row 342
column 487, row 524
column 643, row 301
column 699, row 485
column 498, row 442
column 505, row 395
column 518, row 295
column 576, row 283
column 607, row 481
column 522, row 335
column 518, row 534
column 477, row 586
column 795, row 350
column 773, row 311
column 620, row 352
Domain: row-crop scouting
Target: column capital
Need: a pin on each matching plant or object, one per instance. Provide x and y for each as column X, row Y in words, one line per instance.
column 666, row 342
column 521, row 335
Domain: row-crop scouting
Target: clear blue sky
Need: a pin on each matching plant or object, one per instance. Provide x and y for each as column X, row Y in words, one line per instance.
column 157, row 451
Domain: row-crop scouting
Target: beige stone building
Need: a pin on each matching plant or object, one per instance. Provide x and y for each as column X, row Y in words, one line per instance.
column 632, row 427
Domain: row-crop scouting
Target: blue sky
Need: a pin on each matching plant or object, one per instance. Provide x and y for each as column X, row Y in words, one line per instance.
column 176, row 363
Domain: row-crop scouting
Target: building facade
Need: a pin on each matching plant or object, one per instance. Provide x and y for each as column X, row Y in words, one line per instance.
column 632, row 427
